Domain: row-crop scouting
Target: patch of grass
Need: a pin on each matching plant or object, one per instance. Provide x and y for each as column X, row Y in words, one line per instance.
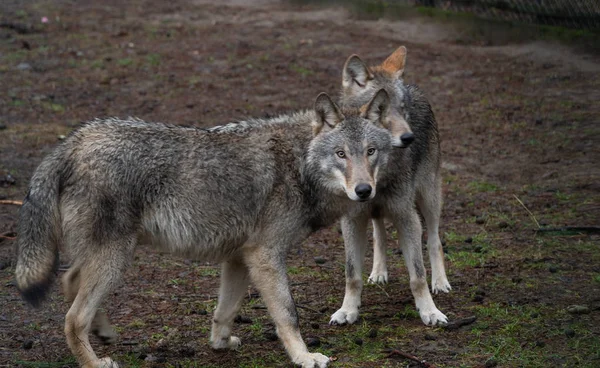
column 153, row 59
column 596, row 278
column 125, row 62
column 482, row 186
column 208, row 271
column 131, row 360
column 304, row 72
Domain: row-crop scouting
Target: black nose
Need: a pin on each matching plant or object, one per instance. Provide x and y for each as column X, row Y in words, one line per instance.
column 363, row 191
column 407, row 138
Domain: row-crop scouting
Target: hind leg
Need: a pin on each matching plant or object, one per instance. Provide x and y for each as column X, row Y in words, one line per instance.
column 101, row 272
column 234, row 283
column 379, row 274
column 430, row 206
column 101, row 326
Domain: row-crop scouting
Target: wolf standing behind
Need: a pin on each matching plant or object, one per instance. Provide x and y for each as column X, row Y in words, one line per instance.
column 241, row 194
column 413, row 176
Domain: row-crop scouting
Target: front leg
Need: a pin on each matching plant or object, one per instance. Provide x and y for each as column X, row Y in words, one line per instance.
column 409, row 231
column 355, row 241
column 266, row 265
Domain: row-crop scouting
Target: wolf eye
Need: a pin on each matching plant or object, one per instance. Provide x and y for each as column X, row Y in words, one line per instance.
column 340, row 154
column 371, row 151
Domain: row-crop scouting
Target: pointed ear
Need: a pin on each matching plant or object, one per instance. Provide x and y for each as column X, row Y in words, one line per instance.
column 394, row 64
column 355, row 72
column 328, row 114
column 377, row 109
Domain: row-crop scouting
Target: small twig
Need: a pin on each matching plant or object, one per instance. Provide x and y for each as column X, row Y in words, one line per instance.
column 8, row 237
column 382, row 289
column 8, row 201
column 392, row 352
column 585, row 229
column 529, row 212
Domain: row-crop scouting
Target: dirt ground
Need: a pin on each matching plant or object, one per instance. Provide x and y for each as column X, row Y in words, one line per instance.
column 520, row 125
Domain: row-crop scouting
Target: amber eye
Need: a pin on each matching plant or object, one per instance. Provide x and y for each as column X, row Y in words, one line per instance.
column 341, row 154
column 371, row 151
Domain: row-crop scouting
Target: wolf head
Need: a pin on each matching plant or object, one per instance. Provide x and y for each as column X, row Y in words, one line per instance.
column 360, row 83
column 350, row 147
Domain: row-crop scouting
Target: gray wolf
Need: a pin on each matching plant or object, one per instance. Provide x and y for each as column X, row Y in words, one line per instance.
column 413, row 177
column 241, row 194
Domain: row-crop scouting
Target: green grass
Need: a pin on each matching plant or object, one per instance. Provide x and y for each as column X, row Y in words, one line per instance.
column 482, row 186
column 68, row 362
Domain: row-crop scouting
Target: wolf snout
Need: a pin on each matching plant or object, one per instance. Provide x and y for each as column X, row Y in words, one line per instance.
column 363, row 191
column 407, row 139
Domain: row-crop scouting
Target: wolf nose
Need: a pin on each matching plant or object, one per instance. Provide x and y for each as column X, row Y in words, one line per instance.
column 407, row 138
column 363, row 191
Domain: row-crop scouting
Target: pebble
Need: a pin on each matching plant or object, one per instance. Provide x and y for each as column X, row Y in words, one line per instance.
column 469, row 240
column 24, row 66
column 430, row 336
column 315, row 326
column 28, row 344
column 480, row 220
column 2, row 126
column 569, row 332
column 490, row 363
column 242, row 319
column 578, row 309
column 313, row 342
column 502, row 224
column 358, row 341
column 552, row 269
column 320, row 260
column 372, row 333
column 270, row 336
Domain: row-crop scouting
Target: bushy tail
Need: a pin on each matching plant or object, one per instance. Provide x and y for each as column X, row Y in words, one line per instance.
column 39, row 231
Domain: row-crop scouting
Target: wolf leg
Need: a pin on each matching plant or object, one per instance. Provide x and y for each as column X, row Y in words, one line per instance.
column 234, row 282
column 266, row 265
column 379, row 274
column 101, row 272
column 430, row 203
column 409, row 231
column 101, row 326
column 355, row 240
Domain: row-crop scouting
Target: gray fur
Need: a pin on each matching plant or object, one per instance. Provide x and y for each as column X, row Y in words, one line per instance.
column 241, row 194
column 413, row 177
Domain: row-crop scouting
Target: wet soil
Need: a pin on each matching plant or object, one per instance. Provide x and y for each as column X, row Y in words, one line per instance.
column 520, row 129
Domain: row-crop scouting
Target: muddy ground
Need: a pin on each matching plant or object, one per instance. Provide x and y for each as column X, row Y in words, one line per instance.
column 520, row 129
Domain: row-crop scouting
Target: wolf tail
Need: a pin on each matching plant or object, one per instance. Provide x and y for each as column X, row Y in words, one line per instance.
column 39, row 230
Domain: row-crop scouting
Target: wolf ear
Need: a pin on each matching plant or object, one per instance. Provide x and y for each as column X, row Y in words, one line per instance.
column 328, row 114
column 394, row 64
column 355, row 72
column 377, row 109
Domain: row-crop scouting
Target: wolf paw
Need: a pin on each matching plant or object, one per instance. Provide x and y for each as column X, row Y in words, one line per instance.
column 342, row 317
column 440, row 284
column 378, row 277
column 102, row 363
column 312, row 360
column 233, row 343
column 433, row 317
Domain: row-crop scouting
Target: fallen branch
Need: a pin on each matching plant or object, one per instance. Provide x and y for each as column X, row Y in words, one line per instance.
column 456, row 324
column 562, row 229
column 8, row 201
column 392, row 352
